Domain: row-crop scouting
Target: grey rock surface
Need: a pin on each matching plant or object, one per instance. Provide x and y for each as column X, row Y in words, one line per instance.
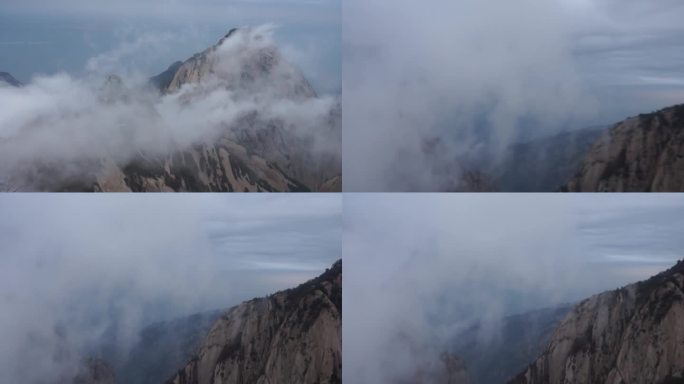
column 634, row 335
column 640, row 154
column 293, row 336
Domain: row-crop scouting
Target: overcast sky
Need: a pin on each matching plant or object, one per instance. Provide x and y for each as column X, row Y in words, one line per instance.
column 485, row 74
column 82, row 263
column 43, row 36
column 420, row 268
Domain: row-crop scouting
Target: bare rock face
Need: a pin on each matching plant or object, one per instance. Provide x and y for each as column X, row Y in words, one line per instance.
column 224, row 166
column 641, row 154
column 259, row 62
column 630, row 335
column 293, row 336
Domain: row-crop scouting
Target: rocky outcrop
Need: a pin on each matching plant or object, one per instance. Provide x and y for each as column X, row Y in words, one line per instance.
column 293, row 336
column 223, row 166
column 630, row 335
column 641, row 154
column 7, row 79
column 259, row 64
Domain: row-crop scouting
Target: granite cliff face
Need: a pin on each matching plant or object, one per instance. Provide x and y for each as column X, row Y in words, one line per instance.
column 293, row 336
column 630, row 335
column 641, row 154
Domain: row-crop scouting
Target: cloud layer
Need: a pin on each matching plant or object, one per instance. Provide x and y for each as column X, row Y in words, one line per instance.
column 476, row 77
column 80, row 121
column 421, row 268
column 74, row 267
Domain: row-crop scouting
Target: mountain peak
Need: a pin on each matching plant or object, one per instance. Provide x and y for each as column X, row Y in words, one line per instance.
column 251, row 63
column 229, row 34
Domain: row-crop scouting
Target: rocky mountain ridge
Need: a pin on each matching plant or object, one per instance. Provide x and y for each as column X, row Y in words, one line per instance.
column 630, row 335
column 293, row 336
column 644, row 153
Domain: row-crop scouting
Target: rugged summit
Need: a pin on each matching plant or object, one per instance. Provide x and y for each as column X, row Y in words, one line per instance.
column 630, row 335
column 293, row 336
column 641, row 154
column 257, row 153
column 257, row 125
column 260, row 64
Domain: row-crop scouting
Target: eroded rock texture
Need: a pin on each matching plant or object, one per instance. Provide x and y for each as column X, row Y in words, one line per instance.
column 630, row 335
column 641, row 154
column 293, row 336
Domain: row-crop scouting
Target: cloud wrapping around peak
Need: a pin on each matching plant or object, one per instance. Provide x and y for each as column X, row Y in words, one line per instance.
column 80, row 122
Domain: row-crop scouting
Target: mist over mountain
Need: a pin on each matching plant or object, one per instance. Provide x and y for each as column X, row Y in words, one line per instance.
column 639, row 154
column 235, row 117
column 533, row 71
column 521, row 338
column 162, row 348
column 472, row 288
column 135, row 280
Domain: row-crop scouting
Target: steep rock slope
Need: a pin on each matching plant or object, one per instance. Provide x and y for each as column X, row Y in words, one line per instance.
column 641, row 154
column 293, row 336
column 630, row 335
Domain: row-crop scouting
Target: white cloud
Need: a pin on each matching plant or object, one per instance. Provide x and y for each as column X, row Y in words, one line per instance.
column 74, row 266
column 421, row 268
